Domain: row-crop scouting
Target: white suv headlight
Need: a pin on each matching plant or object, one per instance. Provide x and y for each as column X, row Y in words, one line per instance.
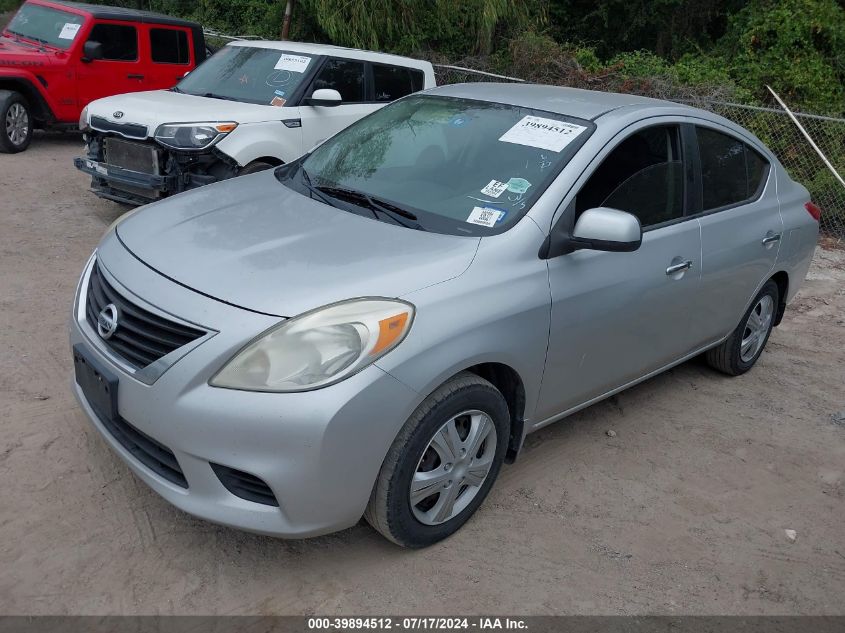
column 318, row 348
column 193, row 136
column 83, row 120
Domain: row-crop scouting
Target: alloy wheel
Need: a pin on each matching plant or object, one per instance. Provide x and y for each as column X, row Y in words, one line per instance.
column 756, row 328
column 17, row 124
column 453, row 467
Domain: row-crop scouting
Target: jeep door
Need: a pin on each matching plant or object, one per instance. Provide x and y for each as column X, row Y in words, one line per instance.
column 121, row 68
column 171, row 55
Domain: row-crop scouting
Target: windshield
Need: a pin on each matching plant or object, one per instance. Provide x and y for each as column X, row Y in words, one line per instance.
column 264, row 76
column 46, row 25
column 459, row 166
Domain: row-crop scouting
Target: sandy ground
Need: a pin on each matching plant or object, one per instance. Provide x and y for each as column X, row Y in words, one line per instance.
column 683, row 511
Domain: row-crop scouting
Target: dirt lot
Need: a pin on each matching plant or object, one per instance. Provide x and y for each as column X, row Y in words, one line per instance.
column 683, row 511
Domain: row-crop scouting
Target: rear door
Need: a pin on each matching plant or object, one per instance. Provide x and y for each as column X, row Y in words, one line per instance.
column 170, row 55
column 120, row 70
column 350, row 78
column 741, row 227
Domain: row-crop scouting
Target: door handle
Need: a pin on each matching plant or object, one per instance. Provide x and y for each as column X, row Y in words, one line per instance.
column 676, row 268
column 771, row 239
column 134, row 76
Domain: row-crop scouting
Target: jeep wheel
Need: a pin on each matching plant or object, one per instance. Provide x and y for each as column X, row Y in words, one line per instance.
column 15, row 122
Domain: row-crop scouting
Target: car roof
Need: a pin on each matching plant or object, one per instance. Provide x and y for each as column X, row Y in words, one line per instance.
column 120, row 13
column 338, row 51
column 575, row 102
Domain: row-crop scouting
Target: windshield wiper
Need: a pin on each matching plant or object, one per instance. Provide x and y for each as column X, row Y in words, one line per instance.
column 306, row 180
column 377, row 205
column 212, row 95
column 176, row 89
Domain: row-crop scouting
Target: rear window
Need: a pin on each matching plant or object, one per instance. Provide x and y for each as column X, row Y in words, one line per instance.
column 169, row 46
column 393, row 82
column 731, row 171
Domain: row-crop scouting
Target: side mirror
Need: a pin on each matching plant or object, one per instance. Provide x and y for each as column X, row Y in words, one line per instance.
column 325, row 97
column 599, row 229
column 92, row 50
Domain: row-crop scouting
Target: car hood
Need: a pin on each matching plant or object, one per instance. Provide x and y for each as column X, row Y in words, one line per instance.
column 154, row 107
column 254, row 243
column 22, row 54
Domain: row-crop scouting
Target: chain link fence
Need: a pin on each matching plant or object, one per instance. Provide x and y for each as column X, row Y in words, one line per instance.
column 771, row 126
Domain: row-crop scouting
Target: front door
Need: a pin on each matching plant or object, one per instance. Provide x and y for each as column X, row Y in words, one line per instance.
column 616, row 317
column 348, row 77
column 119, row 71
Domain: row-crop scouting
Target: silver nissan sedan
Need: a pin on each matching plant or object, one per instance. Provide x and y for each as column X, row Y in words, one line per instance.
column 374, row 328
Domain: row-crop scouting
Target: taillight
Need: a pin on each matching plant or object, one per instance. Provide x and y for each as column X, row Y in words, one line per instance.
column 813, row 210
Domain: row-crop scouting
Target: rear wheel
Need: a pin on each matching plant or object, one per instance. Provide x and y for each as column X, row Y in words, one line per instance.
column 15, row 122
column 743, row 347
column 442, row 464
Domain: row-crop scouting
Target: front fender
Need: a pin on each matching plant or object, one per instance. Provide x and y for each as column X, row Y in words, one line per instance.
column 251, row 141
column 26, row 82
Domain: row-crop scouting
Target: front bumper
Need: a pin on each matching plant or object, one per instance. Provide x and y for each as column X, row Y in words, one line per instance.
column 319, row 452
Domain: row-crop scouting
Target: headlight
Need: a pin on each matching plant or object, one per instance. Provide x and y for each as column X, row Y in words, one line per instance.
column 194, row 136
column 83, row 120
column 318, row 348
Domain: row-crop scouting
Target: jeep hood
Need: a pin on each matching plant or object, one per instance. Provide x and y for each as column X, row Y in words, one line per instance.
column 154, row 107
column 257, row 244
column 23, row 55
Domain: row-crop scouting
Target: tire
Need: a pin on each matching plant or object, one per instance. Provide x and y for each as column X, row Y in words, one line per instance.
column 15, row 122
column 730, row 357
column 254, row 167
column 464, row 404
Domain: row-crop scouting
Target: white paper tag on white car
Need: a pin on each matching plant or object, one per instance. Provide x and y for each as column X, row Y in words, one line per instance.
column 293, row 63
column 485, row 216
column 69, row 31
column 536, row 131
column 494, row 188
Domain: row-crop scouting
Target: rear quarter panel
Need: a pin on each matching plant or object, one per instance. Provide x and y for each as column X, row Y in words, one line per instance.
column 800, row 231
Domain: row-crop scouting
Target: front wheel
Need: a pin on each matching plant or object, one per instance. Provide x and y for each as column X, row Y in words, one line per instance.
column 442, row 464
column 743, row 347
column 16, row 128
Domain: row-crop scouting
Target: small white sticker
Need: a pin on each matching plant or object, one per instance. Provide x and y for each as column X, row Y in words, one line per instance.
column 485, row 216
column 535, row 131
column 494, row 188
column 69, row 31
column 293, row 63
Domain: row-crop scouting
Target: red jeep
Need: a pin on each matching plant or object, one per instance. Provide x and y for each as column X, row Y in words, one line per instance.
column 56, row 57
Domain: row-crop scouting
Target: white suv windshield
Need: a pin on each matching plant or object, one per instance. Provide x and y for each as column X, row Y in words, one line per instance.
column 459, row 166
column 46, row 25
column 264, row 76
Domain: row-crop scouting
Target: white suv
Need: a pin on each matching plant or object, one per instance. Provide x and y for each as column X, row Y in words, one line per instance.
column 251, row 106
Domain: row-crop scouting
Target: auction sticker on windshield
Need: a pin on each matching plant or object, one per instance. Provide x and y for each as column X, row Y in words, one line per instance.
column 69, row 31
column 536, row 131
column 486, row 216
column 293, row 63
column 494, row 188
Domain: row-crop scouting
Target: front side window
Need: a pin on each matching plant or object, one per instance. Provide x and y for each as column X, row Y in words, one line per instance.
column 643, row 175
column 45, row 25
column 461, row 166
column 392, row 82
column 249, row 74
column 731, row 171
column 169, row 46
column 345, row 76
column 120, row 42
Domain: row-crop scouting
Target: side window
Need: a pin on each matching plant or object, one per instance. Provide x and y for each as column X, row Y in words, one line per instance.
column 345, row 76
column 169, row 46
column 644, row 176
column 120, row 42
column 417, row 80
column 392, row 82
column 731, row 172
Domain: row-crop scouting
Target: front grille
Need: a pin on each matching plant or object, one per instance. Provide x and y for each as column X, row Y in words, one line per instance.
column 244, row 485
column 141, row 337
column 130, row 155
column 155, row 456
column 132, row 130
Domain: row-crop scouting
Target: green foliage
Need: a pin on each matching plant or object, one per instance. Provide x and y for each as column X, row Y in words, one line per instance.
column 796, row 46
column 9, row 5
